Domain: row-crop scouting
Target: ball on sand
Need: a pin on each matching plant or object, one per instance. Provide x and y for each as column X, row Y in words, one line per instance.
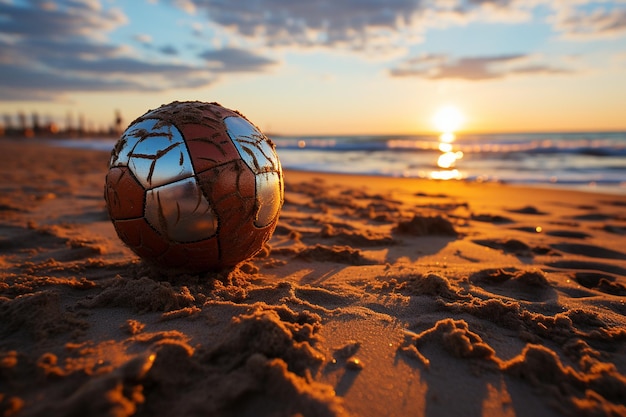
column 194, row 186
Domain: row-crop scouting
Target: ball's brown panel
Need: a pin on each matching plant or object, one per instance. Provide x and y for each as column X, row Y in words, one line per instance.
column 230, row 189
column 222, row 112
column 124, row 195
column 209, row 146
column 232, row 180
column 247, row 241
column 195, row 256
column 141, row 238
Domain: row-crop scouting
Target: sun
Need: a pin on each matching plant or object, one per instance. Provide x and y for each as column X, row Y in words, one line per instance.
column 448, row 119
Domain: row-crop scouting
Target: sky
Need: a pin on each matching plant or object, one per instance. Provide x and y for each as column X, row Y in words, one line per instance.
column 303, row 67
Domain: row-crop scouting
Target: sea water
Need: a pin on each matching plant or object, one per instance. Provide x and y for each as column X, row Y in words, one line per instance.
column 593, row 161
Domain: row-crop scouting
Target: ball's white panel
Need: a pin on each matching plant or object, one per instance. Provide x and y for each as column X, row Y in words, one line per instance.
column 258, row 153
column 129, row 140
column 253, row 147
column 269, row 197
column 180, row 211
column 160, row 157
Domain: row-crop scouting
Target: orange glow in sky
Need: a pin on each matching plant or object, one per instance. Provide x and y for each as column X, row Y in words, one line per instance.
column 322, row 67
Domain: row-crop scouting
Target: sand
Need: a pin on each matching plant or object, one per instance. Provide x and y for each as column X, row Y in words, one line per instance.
column 374, row 297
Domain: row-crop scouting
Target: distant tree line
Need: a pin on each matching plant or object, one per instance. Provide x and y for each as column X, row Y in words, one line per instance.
column 22, row 125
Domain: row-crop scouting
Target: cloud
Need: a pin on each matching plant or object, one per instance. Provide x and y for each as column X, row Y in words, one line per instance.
column 497, row 8
column 351, row 23
column 358, row 25
column 79, row 67
column 43, row 69
column 363, row 26
column 59, row 20
column 168, row 50
column 44, row 41
column 440, row 67
column 186, row 5
column 235, row 60
column 50, row 49
column 593, row 22
column 33, row 83
column 143, row 38
column 147, row 42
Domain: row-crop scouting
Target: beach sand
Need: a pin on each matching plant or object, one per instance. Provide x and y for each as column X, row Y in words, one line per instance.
column 374, row 297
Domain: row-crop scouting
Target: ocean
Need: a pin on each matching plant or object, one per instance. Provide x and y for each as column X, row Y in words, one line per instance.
column 591, row 161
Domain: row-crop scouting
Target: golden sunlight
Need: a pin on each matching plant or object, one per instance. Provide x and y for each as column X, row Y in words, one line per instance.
column 448, row 119
column 447, row 137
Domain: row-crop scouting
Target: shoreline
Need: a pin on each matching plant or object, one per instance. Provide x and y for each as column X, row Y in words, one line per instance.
column 574, row 188
column 375, row 296
column 588, row 187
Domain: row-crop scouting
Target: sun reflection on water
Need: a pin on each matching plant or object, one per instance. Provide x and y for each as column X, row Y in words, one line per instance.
column 448, row 120
column 447, row 137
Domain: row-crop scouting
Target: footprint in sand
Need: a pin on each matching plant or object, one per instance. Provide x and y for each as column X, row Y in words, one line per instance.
column 531, row 285
column 34, row 244
column 344, row 234
column 528, row 210
column 571, row 234
column 556, row 233
column 601, row 282
column 588, row 266
column 15, row 239
column 589, row 250
column 593, row 217
column 338, row 254
column 594, row 214
column 618, row 230
column 491, row 218
column 514, row 247
column 568, row 233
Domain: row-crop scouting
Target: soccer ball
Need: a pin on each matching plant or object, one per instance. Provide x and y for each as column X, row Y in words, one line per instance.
column 194, row 186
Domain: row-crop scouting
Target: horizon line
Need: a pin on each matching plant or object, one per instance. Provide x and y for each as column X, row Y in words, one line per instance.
column 437, row 133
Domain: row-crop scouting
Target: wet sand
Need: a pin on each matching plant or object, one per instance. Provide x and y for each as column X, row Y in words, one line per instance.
column 375, row 296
